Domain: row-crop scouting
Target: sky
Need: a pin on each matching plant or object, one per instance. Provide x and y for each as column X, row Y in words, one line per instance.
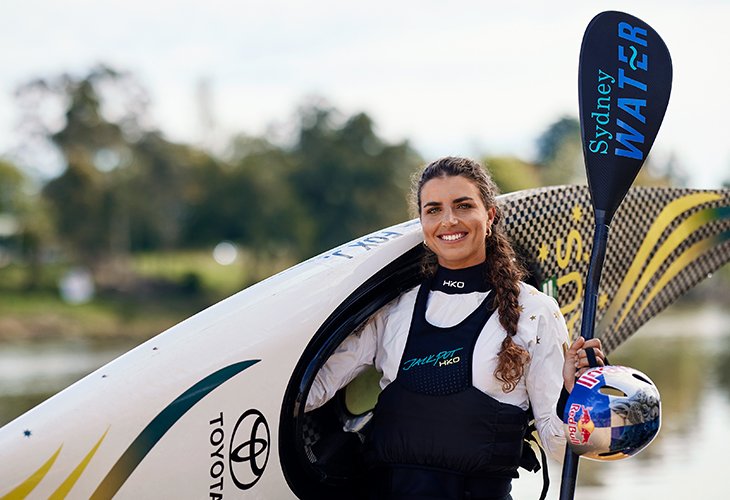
column 454, row 78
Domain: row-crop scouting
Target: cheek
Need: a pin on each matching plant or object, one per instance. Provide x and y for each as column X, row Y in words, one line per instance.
column 428, row 225
column 425, row 228
column 479, row 223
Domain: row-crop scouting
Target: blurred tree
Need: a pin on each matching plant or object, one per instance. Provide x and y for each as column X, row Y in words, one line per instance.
column 83, row 195
column 153, row 192
column 337, row 182
column 25, row 228
column 11, row 194
column 11, row 184
column 512, row 174
column 248, row 200
column 124, row 187
column 349, row 180
column 102, row 111
column 81, row 203
column 560, row 153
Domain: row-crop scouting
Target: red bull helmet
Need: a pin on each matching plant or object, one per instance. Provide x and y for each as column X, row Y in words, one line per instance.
column 612, row 413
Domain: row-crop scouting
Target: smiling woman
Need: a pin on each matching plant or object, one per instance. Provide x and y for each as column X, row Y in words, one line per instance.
column 440, row 345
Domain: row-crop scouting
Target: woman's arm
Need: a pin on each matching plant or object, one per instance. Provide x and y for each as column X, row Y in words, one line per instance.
column 552, row 357
column 353, row 357
column 543, row 377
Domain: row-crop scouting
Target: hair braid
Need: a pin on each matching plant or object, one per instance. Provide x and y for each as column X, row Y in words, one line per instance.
column 505, row 274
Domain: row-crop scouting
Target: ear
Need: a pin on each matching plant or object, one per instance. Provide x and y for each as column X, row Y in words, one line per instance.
column 491, row 213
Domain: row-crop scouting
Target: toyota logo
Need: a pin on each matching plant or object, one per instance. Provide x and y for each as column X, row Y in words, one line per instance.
column 249, row 449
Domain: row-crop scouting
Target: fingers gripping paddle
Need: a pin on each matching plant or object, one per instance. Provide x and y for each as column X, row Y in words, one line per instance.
column 624, row 82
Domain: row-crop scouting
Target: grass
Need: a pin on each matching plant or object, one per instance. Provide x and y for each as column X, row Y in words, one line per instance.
column 179, row 266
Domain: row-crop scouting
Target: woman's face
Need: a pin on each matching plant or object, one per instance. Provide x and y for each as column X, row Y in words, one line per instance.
column 455, row 221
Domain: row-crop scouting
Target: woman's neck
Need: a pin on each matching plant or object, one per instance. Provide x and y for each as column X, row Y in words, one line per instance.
column 466, row 280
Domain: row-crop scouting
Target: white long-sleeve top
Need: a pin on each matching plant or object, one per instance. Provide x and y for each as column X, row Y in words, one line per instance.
column 541, row 331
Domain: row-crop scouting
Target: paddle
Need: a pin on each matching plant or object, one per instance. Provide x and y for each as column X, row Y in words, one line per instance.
column 624, row 82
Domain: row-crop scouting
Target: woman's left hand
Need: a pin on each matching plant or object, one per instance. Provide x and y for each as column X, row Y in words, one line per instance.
column 576, row 360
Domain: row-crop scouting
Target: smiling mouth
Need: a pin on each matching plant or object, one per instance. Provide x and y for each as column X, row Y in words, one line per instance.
column 452, row 237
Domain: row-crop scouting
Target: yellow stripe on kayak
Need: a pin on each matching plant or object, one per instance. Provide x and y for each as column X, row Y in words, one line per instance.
column 24, row 489
column 66, row 486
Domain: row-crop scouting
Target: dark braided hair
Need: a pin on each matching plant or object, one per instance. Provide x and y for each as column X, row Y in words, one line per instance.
column 502, row 268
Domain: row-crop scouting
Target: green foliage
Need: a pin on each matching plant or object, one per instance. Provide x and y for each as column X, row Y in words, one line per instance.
column 126, row 189
column 11, row 185
column 26, row 229
column 348, row 179
column 512, row 174
column 179, row 266
column 249, row 201
column 81, row 202
column 565, row 129
column 560, row 153
column 152, row 194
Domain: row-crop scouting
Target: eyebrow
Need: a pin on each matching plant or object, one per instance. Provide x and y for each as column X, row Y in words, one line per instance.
column 438, row 204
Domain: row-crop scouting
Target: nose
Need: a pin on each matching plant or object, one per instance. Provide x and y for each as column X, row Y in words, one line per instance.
column 449, row 218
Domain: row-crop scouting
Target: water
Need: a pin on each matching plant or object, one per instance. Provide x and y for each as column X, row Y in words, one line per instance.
column 31, row 372
column 687, row 355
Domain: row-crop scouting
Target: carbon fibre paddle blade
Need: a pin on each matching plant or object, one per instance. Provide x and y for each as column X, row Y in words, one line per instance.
column 624, row 83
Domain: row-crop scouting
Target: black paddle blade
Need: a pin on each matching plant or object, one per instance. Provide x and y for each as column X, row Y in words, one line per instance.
column 624, row 82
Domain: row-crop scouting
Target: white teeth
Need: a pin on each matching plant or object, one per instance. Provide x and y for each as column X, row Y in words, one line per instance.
column 452, row 237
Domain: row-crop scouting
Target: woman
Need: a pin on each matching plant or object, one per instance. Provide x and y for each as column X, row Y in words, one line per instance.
column 464, row 356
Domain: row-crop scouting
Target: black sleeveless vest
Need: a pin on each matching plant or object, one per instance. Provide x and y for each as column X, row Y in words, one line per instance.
column 431, row 415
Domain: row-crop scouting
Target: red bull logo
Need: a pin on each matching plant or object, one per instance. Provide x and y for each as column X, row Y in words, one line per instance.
column 580, row 424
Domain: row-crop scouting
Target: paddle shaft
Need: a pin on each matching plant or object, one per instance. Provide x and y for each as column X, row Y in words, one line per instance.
column 588, row 321
column 590, row 302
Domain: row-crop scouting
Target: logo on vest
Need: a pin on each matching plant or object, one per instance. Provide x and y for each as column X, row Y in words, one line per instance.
column 444, row 358
column 454, row 284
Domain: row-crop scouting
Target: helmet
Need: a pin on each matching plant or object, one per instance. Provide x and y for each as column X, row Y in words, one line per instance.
column 612, row 413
